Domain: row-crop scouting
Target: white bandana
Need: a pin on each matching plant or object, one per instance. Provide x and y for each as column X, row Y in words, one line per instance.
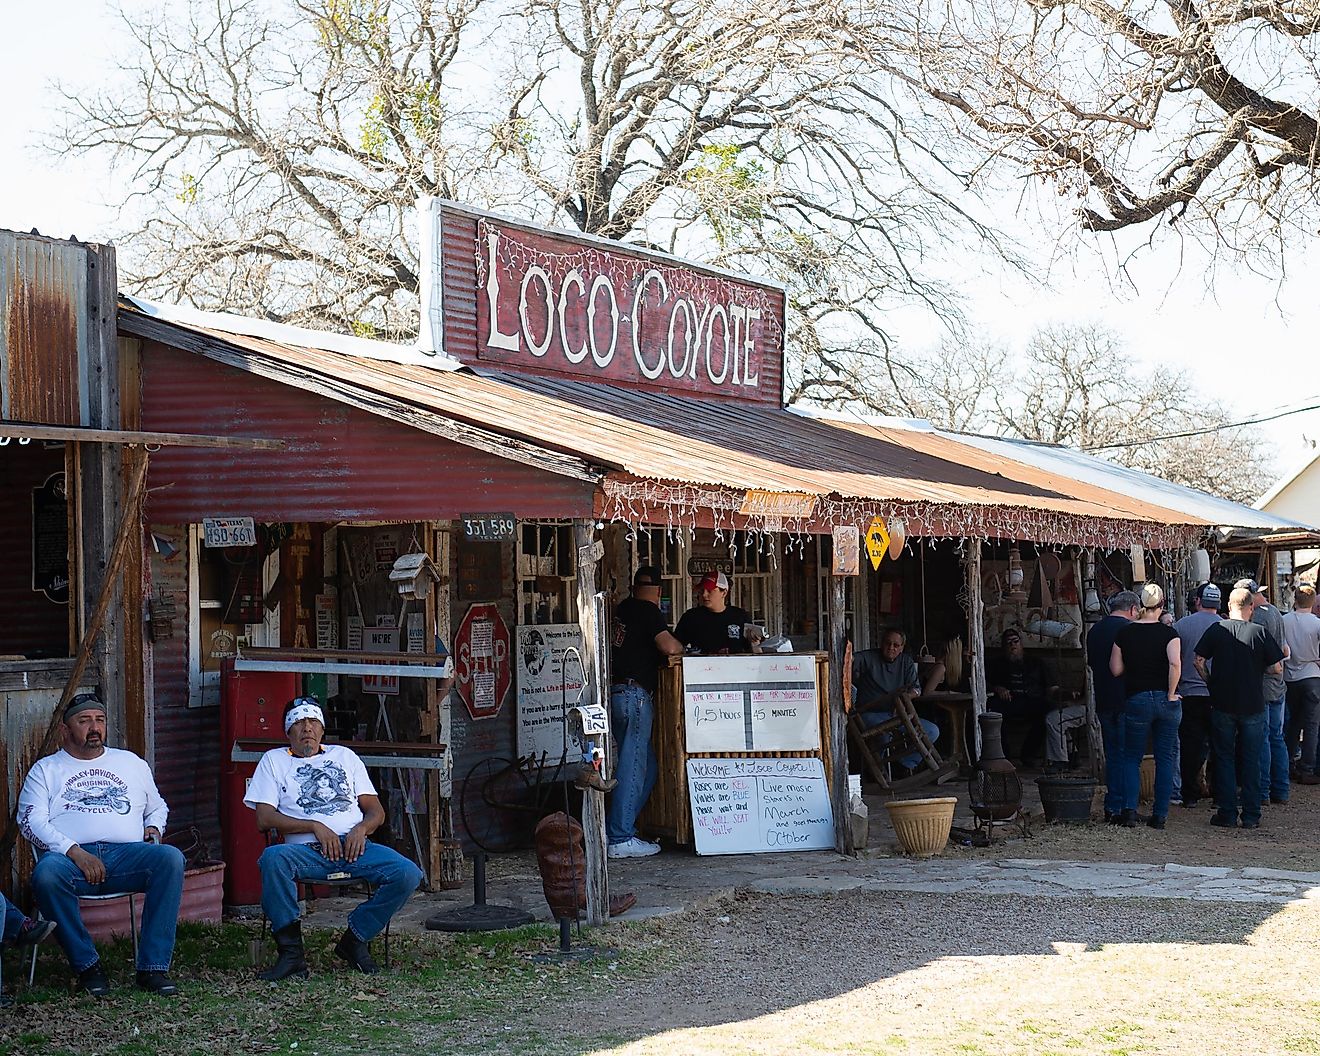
column 303, row 711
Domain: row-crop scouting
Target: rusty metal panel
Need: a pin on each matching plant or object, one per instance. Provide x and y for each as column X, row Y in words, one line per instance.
column 339, row 463
column 458, row 235
column 43, row 330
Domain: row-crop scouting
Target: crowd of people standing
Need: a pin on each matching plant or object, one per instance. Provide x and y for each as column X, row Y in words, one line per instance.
column 1238, row 696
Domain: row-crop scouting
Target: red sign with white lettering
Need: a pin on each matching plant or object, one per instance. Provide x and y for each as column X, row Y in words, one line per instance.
column 601, row 312
column 482, row 668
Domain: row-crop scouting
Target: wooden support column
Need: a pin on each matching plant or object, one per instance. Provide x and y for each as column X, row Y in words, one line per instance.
column 1094, row 737
column 589, row 552
column 429, row 727
column 976, row 638
column 838, row 731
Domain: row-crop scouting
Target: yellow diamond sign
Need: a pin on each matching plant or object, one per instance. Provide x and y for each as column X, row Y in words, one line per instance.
column 877, row 541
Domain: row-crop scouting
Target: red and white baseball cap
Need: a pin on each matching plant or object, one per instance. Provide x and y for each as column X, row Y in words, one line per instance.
column 714, row 581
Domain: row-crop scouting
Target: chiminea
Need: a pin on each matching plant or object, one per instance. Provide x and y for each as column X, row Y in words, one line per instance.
column 995, row 790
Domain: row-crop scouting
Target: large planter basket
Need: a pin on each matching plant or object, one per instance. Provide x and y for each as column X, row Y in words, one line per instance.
column 1066, row 799
column 922, row 825
column 1147, row 789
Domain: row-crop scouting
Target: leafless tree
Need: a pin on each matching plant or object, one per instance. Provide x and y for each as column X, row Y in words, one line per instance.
column 1076, row 386
column 278, row 146
column 1199, row 112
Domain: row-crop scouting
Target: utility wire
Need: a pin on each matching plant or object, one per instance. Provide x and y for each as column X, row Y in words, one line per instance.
column 1259, row 419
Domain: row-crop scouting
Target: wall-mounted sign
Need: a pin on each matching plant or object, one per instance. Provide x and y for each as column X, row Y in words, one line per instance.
column 607, row 311
column 757, row 503
column 488, row 527
column 50, row 540
column 847, row 550
column 544, row 688
column 381, row 639
column 228, row 531
column 702, row 566
column 482, row 668
column 877, row 541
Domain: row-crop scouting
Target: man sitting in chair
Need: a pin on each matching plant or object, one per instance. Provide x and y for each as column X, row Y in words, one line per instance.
column 882, row 677
column 95, row 818
column 320, row 799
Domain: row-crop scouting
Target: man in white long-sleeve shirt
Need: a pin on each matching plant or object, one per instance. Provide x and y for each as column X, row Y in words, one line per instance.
column 95, row 817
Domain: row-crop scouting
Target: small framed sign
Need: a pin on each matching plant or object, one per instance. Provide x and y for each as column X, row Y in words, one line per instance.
column 489, row 527
column 228, row 531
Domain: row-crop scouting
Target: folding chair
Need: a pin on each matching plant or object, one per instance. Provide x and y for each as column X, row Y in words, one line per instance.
column 132, row 921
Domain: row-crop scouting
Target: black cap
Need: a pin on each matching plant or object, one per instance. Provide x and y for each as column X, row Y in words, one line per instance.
column 646, row 576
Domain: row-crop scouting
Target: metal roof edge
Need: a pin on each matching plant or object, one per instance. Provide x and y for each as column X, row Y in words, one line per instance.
column 287, row 334
column 613, row 244
column 216, row 347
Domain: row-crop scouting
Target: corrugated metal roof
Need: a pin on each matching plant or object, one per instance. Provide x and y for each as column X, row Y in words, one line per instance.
column 659, row 437
column 1067, row 461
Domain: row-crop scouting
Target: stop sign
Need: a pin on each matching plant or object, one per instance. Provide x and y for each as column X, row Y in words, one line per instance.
column 482, row 671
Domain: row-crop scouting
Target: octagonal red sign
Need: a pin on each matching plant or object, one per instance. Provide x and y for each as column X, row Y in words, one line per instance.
column 483, row 670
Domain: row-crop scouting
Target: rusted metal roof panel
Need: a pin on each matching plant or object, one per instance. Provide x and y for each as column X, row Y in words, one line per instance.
column 339, row 463
column 43, row 330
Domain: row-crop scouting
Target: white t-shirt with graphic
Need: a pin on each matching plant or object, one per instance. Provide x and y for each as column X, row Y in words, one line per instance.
column 323, row 787
column 111, row 799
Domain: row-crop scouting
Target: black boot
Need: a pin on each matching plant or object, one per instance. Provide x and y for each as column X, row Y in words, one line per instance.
column 356, row 953
column 291, row 960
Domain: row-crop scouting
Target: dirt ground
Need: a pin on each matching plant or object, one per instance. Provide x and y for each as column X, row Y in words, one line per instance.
column 1288, row 837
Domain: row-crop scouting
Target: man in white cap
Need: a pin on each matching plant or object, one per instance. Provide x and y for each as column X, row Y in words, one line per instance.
column 320, row 799
column 95, row 817
column 714, row 627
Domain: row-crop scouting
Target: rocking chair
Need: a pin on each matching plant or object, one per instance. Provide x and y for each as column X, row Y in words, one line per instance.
column 880, row 747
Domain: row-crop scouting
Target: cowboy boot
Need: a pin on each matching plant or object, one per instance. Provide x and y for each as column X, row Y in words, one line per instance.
column 356, row 953
column 291, row 959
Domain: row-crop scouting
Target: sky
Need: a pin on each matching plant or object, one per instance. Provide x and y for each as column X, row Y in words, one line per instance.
column 1246, row 340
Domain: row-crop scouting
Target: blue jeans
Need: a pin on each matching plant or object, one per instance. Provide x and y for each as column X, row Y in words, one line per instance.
column 14, row 918
column 631, row 714
column 1112, row 725
column 392, row 876
column 154, row 869
column 1274, row 757
column 1154, row 713
column 912, row 759
column 1228, row 733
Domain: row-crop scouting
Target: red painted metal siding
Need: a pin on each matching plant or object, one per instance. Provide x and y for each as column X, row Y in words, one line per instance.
column 37, row 626
column 339, row 463
column 459, row 250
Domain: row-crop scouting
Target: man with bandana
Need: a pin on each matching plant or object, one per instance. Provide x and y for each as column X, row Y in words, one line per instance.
column 95, row 817
column 320, row 799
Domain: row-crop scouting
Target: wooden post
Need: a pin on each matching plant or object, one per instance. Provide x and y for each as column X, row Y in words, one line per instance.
column 838, row 731
column 1094, row 738
column 589, row 552
column 976, row 636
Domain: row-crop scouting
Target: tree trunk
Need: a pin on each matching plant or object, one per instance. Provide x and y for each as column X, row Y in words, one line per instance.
column 593, row 802
column 838, row 731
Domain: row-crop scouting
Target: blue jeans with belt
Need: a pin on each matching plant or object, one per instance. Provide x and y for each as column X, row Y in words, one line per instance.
column 155, row 869
column 1150, row 712
column 631, row 715
column 1111, row 733
column 1275, row 760
column 393, row 878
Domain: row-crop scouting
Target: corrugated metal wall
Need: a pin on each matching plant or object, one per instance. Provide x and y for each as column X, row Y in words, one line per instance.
column 340, row 463
column 43, row 335
column 187, row 739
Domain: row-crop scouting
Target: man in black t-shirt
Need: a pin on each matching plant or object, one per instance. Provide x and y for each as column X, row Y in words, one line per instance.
column 714, row 627
column 1233, row 656
column 641, row 639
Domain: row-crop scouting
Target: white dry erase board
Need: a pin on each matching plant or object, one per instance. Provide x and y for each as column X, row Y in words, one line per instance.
column 751, row 806
column 763, row 703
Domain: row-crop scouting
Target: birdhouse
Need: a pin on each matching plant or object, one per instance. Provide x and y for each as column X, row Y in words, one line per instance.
column 414, row 575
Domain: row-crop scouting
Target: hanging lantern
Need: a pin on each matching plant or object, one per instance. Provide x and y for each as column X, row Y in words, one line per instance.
column 1015, row 578
column 897, row 536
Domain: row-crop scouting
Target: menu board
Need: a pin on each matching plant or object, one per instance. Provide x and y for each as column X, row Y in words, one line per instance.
column 760, row 703
column 751, row 806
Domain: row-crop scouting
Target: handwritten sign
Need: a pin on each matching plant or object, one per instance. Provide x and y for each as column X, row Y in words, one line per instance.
column 752, row 806
column 543, row 687
column 750, row 703
column 381, row 640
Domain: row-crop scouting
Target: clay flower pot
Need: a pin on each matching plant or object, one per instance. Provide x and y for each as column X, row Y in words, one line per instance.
column 922, row 825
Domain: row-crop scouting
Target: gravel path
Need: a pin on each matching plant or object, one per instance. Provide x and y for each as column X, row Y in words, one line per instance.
column 935, row 975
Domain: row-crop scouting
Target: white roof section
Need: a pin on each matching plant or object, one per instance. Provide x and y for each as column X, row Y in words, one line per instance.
column 883, row 421
column 1069, row 462
column 1286, row 481
column 298, row 336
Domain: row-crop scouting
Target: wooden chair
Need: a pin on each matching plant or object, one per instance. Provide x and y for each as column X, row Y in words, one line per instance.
column 882, row 745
